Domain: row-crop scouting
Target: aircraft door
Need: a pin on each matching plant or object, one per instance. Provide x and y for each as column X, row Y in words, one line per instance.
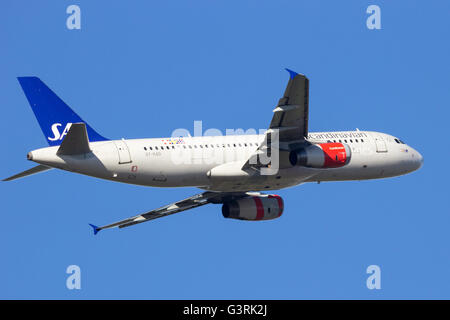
column 124, row 152
column 380, row 143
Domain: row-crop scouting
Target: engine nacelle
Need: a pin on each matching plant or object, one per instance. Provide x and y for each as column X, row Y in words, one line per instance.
column 263, row 207
column 322, row 155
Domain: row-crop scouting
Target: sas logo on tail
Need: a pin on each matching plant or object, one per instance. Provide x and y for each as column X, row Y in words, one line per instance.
column 56, row 134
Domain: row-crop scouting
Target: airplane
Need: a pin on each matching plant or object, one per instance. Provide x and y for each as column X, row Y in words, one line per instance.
column 232, row 170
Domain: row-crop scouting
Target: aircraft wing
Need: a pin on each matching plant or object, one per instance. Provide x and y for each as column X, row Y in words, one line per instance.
column 291, row 114
column 289, row 125
column 186, row 204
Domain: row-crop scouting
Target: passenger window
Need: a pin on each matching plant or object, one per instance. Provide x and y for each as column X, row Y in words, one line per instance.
column 345, row 140
column 356, row 140
column 167, row 147
column 145, row 148
column 351, row 141
column 340, row 140
column 156, row 148
column 150, row 148
column 362, row 140
column 173, row 147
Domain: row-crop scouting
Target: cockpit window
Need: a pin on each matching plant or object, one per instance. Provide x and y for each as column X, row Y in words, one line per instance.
column 399, row 141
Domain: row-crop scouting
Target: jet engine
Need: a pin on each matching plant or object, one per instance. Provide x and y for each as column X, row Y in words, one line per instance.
column 261, row 207
column 322, row 155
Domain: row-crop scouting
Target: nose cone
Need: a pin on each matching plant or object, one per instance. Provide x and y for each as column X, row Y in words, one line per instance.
column 416, row 159
column 30, row 155
column 420, row 158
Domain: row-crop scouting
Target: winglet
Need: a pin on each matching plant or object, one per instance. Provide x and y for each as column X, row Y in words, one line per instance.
column 96, row 229
column 291, row 73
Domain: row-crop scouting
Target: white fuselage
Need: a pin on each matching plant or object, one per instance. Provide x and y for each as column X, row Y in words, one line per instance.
column 214, row 163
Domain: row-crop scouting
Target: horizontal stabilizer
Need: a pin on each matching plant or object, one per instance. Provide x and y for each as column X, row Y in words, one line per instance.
column 28, row 172
column 76, row 141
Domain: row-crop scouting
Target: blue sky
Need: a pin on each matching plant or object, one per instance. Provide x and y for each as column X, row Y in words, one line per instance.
column 144, row 68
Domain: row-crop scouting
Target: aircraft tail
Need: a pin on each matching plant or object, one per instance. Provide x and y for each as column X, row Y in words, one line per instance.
column 54, row 116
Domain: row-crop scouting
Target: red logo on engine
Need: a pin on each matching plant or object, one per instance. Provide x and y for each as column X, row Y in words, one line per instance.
column 335, row 154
